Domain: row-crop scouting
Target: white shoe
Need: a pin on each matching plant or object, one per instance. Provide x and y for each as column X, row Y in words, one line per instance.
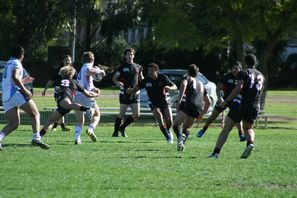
column 91, row 135
column 180, row 146
column 247, row 151
column 1, row 148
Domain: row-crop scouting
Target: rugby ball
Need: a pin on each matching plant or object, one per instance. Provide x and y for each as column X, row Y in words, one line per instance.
column 98, row 77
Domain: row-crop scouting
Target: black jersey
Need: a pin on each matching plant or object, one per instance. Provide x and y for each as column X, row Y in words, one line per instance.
column 252, row 86
column 66, row 87
column 155, row 88
column 229, row 82
column 193, row 97
column 129, row 74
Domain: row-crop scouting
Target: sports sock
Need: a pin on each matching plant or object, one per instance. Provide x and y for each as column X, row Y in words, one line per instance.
column 77, row 129
column 187, row 133
column 248, row 142
column 42, row 132
column 36, row 136
column 2, row 135
column 117, row 124
column 63, row 125
column 91, row 128
column 205, row 128
column 177, row 132
column 216, row 150
column 128, row 121
column 164, row 130
column 55, row 125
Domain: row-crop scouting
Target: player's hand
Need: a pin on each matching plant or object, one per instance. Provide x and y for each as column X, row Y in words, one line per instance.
column 120, row 84
column 167, row 88
column 27, row 94
column 223, row 104
column 129, row 91
column 220, row 100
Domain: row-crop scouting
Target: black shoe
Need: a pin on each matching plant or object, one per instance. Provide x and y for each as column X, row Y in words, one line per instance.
column 115, row 134
column 123, row 133
column 40, row 144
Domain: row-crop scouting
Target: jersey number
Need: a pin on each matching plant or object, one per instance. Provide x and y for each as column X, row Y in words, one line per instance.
column 258, row 82
column 65, row 83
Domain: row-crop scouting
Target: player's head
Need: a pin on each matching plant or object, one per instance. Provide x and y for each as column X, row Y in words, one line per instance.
column 250, row 60
column 88, row 57
column 67, row 72
column 193, row 70
column 153, row 70
column 236, row 68
column 66, row 60
column 18, row 52
column 129, row 54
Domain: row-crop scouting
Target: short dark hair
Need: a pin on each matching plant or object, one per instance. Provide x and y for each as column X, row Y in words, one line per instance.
column 193, row 70
column 237, row 64
column 129, row 49
column 17, row 51
column 154, row 66
column 250, row 60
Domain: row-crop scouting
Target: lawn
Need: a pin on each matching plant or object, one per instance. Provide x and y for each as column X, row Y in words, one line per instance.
column 145, row 165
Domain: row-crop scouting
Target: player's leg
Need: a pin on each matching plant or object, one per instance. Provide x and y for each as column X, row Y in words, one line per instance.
column 188, row 122
column 178, row 120
column 159, row 117
column 95, row 118
column 168, row 118
column 241, row 135
column 54, row 117
column 119, row 119
column 13, row 118
column 214, row 114
column 135, row 107
column 250, row 135
column 31, row 109
column 80, row 119
column 63, row 125
column 223, row 136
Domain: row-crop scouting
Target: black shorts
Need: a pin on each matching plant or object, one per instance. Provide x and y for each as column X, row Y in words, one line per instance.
column 60, row 109
column 127, row 99
column 234, row 112
column 162, row 105
column 190, row 110
column 220, row 109
column 249, row 112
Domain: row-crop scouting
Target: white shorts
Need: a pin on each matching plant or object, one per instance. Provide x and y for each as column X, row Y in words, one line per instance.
column 86, row 101
column 16, row 100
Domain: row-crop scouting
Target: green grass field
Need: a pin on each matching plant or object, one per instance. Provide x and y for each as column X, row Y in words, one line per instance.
column 145, row 165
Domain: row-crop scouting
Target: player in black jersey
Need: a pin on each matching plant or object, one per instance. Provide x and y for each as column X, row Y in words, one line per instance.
column 65, row 90
column 250, row 84
column 224, row 88
column 66, row 61
column 157, row 87
column 127, row 75
column 193, row 94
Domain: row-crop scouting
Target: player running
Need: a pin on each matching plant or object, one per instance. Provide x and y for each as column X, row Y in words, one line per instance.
column 250, row 84
column 189, row 105
column 224, row 88
column 157, row 87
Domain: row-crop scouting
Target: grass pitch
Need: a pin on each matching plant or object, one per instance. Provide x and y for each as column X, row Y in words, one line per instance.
column 145, row 165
